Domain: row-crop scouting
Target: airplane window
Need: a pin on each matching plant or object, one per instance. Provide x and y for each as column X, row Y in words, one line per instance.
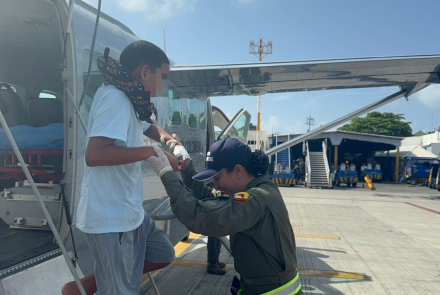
column 202, row 114
column 192, row 113
column 47, row 95
column 21, row 91
column 238, row 129
column 176, row 112
column 11, row 86
column 96, row 79
column 175, row 106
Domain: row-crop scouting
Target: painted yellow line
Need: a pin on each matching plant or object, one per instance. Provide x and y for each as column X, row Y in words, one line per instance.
column 178, row 249
column 361, row 200
column 317, row 237
column 332, row 274
column 182, row 246
column 195, row 264
column 344, row 199
column 304, row 272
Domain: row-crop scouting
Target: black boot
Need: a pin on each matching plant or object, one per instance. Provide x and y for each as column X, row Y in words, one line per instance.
column 215, row 270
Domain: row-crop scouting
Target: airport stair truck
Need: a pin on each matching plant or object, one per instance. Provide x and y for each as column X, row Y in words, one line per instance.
column 283, row 174
column 317, row 168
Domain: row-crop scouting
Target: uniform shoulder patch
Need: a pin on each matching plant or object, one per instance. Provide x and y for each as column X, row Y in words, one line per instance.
column 242, row 196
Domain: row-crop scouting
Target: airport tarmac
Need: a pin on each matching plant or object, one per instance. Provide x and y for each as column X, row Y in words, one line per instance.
column 349, row 241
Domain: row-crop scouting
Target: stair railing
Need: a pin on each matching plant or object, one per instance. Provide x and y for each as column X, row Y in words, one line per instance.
column 324, row 155
column 308, row 167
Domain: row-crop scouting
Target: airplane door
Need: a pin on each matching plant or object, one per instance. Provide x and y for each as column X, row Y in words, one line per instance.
column 238, row 127
column 219, row 118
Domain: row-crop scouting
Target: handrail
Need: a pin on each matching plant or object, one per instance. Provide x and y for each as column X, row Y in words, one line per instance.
column 308, row 167
column 324, row 155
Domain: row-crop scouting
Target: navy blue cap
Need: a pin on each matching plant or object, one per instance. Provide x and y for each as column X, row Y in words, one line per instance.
column 224, row 153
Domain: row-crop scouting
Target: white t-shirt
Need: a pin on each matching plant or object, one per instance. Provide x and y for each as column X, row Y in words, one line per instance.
column 112, row 196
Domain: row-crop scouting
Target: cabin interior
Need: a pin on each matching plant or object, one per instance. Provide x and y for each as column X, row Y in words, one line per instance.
column 31, row 101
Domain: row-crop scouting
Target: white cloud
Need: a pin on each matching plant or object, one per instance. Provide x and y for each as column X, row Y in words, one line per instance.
column 282, row 127
column 430, row 96
column 282, row 97
column 267, row 126
column 311, row 103
column 157, row 9
column 245, row 1
column 295, row 127
column 229, row 115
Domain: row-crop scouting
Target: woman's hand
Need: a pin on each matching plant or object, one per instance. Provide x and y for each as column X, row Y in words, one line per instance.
column 184, row 164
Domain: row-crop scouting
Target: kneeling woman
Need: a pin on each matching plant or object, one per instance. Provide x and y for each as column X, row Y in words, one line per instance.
column 262, row 239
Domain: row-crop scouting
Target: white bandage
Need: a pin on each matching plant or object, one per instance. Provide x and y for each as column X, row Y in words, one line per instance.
column 180, row 151
column 160, row 163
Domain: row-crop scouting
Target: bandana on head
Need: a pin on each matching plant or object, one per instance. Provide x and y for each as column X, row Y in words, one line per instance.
column 116, row 74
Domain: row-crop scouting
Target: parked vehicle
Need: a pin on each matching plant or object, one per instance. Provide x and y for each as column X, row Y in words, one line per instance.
column 349, row 177
column 373, row 174
column 418, row 169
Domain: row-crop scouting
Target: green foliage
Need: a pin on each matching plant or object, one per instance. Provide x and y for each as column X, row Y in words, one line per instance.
column 192, row 121
column 419, row 133
column 176, row 118
column 380, row 123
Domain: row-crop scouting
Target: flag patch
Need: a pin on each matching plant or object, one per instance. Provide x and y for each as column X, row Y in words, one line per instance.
column 243, row 196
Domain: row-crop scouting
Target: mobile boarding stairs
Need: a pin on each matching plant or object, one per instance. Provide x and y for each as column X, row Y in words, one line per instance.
column 317, row 167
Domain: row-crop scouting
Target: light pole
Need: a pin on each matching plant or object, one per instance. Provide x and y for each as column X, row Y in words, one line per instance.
column 260, row 50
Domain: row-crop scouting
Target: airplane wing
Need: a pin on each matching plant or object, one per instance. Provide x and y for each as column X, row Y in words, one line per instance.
column 273, row 77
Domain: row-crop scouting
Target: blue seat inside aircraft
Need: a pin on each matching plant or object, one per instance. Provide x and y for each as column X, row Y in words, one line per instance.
column 44, row 111
column 46, row 138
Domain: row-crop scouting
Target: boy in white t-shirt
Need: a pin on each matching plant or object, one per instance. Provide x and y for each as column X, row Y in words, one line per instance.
column 124, row 240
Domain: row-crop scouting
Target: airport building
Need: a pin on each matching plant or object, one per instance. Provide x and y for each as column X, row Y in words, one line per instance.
column 252, row 138
column 430, row 142
column 357, row 148
column 361, row 148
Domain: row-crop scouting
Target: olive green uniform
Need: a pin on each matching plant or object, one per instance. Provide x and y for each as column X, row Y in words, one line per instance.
column 262, row 239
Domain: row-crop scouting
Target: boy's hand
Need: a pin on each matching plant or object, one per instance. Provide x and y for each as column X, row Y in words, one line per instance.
column 160, row 163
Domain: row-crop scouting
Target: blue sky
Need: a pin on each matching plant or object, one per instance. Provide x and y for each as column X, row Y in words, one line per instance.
column 219, row 31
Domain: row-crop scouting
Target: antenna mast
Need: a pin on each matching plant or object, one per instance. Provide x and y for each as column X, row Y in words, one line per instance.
column 310, row 121
column 164, row 42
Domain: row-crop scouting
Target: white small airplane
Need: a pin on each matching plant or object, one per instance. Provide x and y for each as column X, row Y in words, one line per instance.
column 45, row 51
